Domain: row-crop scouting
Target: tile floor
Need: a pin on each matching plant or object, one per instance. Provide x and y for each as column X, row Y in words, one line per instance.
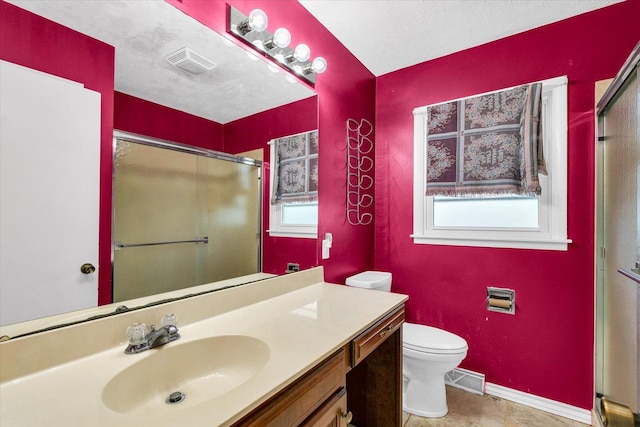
column 472, row 410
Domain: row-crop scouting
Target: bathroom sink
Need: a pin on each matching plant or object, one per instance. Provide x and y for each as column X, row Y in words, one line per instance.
column 191, row 373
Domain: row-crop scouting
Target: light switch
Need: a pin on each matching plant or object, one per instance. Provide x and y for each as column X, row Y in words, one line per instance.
column 326, row 245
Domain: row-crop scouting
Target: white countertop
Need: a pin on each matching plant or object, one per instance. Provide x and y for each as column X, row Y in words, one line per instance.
column 300, row 327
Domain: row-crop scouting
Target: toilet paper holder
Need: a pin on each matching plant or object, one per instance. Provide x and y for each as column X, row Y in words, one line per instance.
column 501, row 300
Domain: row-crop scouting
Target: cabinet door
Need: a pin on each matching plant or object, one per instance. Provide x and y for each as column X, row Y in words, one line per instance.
column 333, row 413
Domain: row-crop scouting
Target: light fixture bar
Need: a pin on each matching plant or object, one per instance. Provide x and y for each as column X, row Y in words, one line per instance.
column 240, row 27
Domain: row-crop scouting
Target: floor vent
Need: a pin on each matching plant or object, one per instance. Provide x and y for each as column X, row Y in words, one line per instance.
column 466, row 380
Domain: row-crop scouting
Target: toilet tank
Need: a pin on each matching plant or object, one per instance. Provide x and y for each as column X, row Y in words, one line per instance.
column 375, row 280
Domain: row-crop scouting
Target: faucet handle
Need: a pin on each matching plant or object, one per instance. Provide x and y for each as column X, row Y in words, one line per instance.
column 169, row 320
column 137, row 333
column 170, row 323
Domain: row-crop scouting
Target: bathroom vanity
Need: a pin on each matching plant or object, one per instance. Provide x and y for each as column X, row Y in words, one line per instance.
column 286, row 351
column 360, row 383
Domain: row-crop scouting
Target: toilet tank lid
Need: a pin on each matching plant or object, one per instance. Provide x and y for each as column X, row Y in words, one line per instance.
column 370, row 279
column 430, row 339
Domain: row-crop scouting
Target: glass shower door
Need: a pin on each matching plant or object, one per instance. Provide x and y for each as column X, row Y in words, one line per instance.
column 229, row 194
column 181, row 220
column 617, row 288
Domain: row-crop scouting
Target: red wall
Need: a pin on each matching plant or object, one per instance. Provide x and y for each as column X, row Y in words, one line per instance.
column 31, row 41
column 547, row 348
column 136, row 115
column 346, row 90
column 254, row 132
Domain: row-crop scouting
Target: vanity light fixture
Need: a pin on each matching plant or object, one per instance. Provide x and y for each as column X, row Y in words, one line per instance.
column 252, row 30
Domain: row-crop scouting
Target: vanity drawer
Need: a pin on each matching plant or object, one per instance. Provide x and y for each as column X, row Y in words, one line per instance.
column 369, row 340
column 294, row 404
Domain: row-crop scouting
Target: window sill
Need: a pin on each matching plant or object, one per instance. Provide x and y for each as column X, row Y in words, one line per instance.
column 495, row 242
column 293, row 234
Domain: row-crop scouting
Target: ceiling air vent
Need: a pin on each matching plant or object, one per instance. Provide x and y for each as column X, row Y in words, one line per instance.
column 190, row 62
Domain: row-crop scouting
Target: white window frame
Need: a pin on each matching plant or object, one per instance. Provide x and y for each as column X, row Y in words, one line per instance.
column 551, row 233
column 276, row 227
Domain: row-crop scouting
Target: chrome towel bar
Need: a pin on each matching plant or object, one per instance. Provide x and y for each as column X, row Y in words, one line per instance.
column 119, row 245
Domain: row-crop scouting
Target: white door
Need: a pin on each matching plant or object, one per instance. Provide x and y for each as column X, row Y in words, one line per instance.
column 49, row 194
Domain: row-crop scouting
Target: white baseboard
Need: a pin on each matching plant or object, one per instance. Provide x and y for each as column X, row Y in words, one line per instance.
column 596, row 419
column 542, row 403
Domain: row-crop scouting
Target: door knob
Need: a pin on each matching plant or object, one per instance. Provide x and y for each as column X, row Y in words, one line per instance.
column 348, row 417
column 87, row 268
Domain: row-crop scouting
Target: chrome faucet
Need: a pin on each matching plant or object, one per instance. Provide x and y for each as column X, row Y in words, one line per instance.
column 141, row 340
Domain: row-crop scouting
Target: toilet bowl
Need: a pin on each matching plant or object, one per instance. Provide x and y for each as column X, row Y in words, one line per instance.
column 428, row 353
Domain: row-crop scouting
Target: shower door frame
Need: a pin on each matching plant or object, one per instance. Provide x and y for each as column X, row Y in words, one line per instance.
column 188, row 149
column 617, row 86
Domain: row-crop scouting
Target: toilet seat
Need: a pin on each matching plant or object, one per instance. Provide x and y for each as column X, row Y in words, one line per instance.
column 428, row 339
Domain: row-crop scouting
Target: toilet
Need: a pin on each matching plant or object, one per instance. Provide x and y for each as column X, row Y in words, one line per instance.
column 428, row 353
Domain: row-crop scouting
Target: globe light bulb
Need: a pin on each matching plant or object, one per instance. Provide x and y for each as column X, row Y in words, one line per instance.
column 319, row 65
column 302, row 52
column 282, row 38
column 258, row 20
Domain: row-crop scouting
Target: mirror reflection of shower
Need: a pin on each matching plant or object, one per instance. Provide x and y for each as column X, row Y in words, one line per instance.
column 182, row 216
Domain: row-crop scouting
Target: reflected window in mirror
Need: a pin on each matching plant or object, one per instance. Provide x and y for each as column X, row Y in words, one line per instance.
column 294, row 186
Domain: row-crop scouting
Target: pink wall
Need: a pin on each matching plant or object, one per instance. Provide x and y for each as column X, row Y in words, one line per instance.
column 29, row 40
column 165, row 123
column 346, row 90
column 547, row 348
column 254, row 132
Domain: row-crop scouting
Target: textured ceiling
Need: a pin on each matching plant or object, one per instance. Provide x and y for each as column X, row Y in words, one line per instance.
column 145, row 32
column 386, row 35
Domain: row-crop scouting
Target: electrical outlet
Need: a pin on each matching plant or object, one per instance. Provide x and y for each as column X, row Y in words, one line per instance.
column 292, row 267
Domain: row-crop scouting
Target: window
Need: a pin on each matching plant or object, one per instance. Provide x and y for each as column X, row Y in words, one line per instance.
column 294, row 220
column 506, row 221
column 293, row 211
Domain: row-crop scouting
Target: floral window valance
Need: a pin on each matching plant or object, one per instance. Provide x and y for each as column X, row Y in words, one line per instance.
column 296, row 168
column 486, row 145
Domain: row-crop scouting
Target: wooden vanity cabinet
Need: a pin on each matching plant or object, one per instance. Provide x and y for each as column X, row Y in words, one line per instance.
column 359, row 384
column 374, row 382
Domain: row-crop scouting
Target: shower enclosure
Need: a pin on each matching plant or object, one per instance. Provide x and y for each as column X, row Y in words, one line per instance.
column 182, row 216
column 617, row 373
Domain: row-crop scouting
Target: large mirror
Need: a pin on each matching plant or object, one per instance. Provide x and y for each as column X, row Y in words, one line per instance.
column 144, row 34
